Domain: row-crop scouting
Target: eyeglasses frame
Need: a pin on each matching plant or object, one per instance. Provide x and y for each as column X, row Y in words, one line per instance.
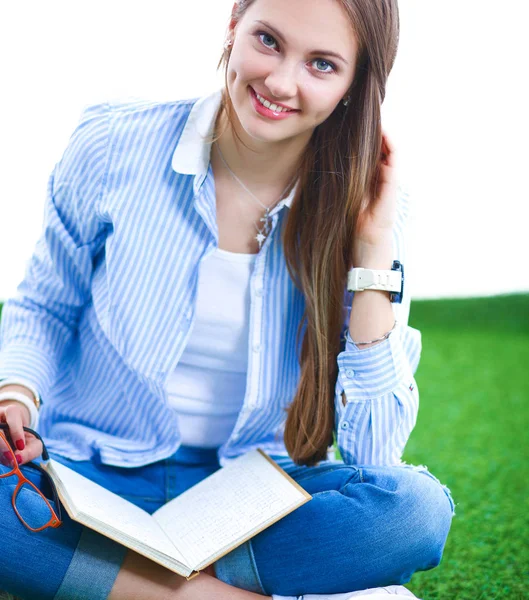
column 56, row 519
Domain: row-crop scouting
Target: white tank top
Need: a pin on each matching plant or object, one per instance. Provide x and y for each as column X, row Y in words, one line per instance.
column 208, row 385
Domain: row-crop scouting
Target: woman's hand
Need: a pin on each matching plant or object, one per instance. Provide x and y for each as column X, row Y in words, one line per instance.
column 377, row 217
column 16, row 416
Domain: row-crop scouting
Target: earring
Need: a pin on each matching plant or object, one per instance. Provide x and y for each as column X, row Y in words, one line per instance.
column 228, row 44
column 346, row 100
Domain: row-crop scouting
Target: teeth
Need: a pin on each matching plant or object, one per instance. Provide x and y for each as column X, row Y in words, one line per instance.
column 272, row 107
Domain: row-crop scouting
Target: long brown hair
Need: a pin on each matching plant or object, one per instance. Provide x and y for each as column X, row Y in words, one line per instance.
column 337, row 171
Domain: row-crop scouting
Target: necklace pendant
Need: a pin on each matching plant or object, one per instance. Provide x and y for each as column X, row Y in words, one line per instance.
column 266, row 223
column 260, row 239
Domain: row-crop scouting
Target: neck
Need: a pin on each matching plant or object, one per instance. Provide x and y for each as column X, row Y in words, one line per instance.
column 266, row 168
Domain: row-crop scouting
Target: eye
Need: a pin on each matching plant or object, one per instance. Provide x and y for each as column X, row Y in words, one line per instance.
column 267, row 40
column 323, row 66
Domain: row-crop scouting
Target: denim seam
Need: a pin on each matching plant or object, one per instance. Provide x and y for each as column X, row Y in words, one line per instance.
column 66, row 572
column 234, row 570
column 112, row 564
column 320, row 471
column 254, row 567
column 139, row 497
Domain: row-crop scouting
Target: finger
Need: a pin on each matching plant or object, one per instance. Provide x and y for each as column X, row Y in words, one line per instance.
column 4, row 447
column 6, row 456
column 32, row 450
column 16, row 427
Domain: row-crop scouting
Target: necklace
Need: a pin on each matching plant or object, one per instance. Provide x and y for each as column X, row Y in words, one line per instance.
column 266, row 220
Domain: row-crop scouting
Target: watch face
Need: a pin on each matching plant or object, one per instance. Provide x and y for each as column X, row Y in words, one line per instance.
column 397, row 296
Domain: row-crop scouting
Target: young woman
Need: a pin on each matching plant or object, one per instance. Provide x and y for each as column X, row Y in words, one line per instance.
column 187, row 302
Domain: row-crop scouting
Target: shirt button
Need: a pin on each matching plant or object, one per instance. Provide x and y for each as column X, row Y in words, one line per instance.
column 350, row 373
column 256, row 348
column 259, row 292
column 345, row 425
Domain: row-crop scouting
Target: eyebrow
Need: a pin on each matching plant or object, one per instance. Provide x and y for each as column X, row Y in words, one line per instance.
column 318, row 52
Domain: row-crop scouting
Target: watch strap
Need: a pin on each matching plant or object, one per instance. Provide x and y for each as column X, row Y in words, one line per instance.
column 359, row 279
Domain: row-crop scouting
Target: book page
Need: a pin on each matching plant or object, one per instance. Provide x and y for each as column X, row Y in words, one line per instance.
column 123, row 521
column 229, row 505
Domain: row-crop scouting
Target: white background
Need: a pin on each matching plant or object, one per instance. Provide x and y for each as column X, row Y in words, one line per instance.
column 456, row 108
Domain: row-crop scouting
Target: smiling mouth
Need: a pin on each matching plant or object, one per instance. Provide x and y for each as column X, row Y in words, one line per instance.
column 278, row 108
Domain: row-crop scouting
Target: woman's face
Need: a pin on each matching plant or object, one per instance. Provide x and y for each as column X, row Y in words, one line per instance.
column 298, row 54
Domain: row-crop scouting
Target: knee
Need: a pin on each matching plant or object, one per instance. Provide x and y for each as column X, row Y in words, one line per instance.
column 429, row 506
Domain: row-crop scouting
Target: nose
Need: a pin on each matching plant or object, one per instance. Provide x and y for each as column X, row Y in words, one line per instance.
column 281, row 81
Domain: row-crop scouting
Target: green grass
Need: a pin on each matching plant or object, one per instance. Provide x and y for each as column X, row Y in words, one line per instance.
column 472, row 433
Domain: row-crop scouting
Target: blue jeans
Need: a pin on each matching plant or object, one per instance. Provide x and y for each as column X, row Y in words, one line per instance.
column 364, row 527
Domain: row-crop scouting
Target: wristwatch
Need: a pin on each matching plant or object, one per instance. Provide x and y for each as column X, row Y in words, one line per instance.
column 359, row 279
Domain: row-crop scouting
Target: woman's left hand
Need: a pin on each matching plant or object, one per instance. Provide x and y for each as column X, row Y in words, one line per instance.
column 377, row 217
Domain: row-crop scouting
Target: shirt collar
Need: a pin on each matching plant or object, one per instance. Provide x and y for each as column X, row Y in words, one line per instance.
column 192, row 154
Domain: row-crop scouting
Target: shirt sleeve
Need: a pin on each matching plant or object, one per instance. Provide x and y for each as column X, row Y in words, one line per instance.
column 376, row 396
column 39, row 322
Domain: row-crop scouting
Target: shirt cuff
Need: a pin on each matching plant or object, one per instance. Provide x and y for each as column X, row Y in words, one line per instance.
column 372, row 372
column 27, row 365
column 20, row 381
column 25, row 401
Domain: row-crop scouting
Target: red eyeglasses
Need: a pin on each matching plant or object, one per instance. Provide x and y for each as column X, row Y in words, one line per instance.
column 36, row 516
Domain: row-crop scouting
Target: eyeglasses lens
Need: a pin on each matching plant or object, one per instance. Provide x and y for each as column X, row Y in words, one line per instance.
column 31, row 507
column 6, row 468
column 28, row 501
column 6, row 457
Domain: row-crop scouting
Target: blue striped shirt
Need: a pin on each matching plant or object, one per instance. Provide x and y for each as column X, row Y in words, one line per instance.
column 107, row 303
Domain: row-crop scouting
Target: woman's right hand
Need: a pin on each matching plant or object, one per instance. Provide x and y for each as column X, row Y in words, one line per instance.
column 17, row 416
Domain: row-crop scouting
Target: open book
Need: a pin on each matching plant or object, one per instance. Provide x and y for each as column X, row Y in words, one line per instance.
column 195, row 529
